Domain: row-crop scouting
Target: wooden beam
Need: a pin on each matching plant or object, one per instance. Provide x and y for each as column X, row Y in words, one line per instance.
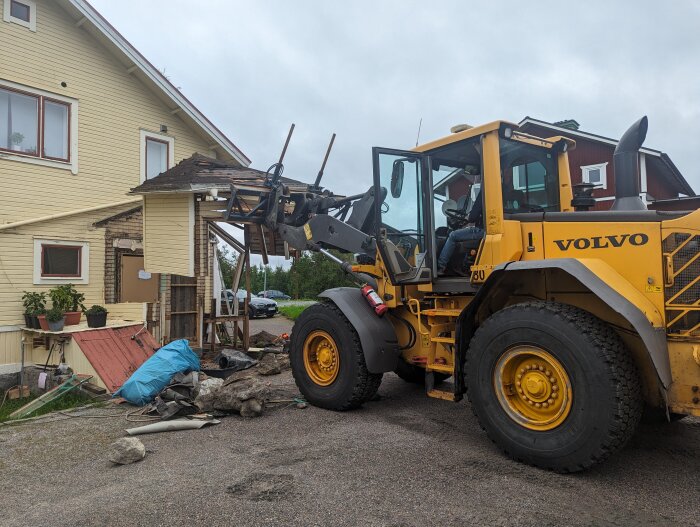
column 263, row 247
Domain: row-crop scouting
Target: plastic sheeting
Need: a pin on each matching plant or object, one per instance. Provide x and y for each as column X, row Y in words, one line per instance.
column 155, row 374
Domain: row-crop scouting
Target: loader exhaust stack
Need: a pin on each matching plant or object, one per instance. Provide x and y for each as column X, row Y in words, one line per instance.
column 626, row 162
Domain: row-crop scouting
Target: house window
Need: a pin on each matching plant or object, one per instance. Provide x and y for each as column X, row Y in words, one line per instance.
column 595, row 174
column 35, row 125
column 156, row 157
column 157, row 154
column 60, row 261
column 22, row 12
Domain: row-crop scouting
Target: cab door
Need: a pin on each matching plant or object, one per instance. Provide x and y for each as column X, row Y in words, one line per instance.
column 402, row 183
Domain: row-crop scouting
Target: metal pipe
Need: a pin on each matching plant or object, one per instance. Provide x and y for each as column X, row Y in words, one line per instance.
column 347, row 269
column 323, row 165
column 68, row 213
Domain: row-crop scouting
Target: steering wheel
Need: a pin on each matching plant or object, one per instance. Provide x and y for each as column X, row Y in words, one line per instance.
column 459, row 215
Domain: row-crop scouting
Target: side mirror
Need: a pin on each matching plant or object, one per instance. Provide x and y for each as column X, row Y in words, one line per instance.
column 397, row 178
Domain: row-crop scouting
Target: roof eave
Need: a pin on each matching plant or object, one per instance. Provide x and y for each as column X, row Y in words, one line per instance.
column 152, row 73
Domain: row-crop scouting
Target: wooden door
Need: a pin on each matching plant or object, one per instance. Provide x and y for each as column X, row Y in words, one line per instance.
column 135, row 285
column 183, row 308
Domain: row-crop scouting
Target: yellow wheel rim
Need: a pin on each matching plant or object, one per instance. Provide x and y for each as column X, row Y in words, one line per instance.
column 321, row 358
column 533, row 388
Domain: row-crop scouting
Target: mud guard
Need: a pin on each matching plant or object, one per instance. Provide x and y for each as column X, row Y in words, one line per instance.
column 654, row 339
column 377, row 336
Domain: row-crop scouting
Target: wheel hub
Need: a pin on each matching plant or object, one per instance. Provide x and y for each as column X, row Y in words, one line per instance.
column 321, row 358
column 533, row 387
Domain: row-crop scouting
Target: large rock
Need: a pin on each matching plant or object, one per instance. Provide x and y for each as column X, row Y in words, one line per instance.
column 269, row 365
column 231, row 396
column 127, row 450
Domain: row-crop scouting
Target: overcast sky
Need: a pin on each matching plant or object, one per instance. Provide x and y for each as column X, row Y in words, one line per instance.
column 370, row 70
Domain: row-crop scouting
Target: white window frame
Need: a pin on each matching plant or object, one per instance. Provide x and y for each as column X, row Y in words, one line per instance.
column 7, row 17
column 84, row 277
column 72, row 164
column 603, row 173
column 145, row 134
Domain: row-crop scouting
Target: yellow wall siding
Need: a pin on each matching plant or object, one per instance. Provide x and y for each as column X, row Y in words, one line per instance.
column 17, row 259
column 168, row 234
column 113, row 107
column 126, row 311
column 10, row 350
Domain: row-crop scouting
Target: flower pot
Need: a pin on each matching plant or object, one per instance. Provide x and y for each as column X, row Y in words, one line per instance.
column 27, row 321
column 35, row 322
column 73, row 318
column 43, row 324
column 97, row 320
column 56, row 326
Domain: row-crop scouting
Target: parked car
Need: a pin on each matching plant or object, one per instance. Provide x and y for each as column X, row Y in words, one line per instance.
column 257, row 307
column 274, row 293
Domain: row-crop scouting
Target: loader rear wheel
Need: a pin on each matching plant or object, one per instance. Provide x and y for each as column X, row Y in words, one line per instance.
column 327, row 360
column 553, row 386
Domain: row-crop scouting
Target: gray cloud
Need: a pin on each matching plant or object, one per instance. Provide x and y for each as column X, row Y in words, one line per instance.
column 369, row 70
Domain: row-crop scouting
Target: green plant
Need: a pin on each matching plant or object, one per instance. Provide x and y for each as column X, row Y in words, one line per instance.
column 16, row 138
column 55, row 314
column 67, row 298
column 34, row 302
column 96, row 310
column 292, row 312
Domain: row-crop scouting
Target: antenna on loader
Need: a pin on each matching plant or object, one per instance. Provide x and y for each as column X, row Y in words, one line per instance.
column 420, row 123
column 316, row 186
column 278, row 168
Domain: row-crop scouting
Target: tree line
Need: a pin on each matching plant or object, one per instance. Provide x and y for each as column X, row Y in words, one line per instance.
column 308, row 275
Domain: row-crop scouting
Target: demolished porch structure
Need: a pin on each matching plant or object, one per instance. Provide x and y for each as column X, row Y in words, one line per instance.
column 184, row 210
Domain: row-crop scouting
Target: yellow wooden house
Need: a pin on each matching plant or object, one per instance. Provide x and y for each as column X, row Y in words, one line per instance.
column 84, row 117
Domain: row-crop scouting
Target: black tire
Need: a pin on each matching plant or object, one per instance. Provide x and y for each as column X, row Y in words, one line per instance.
column 252, row 313
column 415, row 374
column 270, row 315
column 354, row 384
column 606, row 403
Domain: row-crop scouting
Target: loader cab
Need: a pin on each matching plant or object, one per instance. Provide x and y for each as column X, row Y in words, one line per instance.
column 431, row 190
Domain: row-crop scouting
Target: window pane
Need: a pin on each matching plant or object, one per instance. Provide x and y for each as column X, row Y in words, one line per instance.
column 156, row 158
column 594, row 175
column 19, row 10
column 19, row 122
column 57, row 260
column 530, row 178
column 55, row 130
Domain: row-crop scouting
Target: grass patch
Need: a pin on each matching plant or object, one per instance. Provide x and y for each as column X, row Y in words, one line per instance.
column 292, row 312
column 70, row 400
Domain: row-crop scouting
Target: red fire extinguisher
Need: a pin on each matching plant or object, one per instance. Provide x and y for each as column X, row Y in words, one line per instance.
column 374, row 300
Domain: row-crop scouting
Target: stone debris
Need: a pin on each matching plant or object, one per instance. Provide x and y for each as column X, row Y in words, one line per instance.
column 127, row 450
column 269, row 365
column 233, row 393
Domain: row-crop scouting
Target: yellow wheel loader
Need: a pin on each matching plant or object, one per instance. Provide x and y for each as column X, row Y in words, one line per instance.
column 559, row 323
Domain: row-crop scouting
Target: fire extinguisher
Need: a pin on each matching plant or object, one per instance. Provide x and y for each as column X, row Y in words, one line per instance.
column 374, row 300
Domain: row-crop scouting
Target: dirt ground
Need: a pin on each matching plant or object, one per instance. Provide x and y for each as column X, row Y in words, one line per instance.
column 403, row 460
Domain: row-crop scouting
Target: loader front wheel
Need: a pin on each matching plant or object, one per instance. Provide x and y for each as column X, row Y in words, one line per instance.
column 327, row 360
column 553, row 386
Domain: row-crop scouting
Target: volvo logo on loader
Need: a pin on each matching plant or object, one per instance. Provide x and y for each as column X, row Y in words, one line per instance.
column 603, row 242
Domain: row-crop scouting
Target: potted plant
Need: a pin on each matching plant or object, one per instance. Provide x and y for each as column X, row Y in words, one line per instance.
column 70, row 301
column 17, row 139
column 96, row 316
column 34, row 305
column 55, row 318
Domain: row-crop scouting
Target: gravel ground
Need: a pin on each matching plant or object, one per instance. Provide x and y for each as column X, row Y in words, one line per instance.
column 403, row 460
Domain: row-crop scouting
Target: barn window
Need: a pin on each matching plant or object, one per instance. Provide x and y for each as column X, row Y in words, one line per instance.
column 59, row 261
column 21, row 12
column 595, row 174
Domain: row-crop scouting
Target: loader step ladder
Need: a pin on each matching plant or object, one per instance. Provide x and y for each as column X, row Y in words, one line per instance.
column 440, row 341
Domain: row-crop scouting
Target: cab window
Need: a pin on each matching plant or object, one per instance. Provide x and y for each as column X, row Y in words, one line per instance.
column 530, row 178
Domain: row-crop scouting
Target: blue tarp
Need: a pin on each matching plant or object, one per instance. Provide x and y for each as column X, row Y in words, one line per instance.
column 155, row 374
